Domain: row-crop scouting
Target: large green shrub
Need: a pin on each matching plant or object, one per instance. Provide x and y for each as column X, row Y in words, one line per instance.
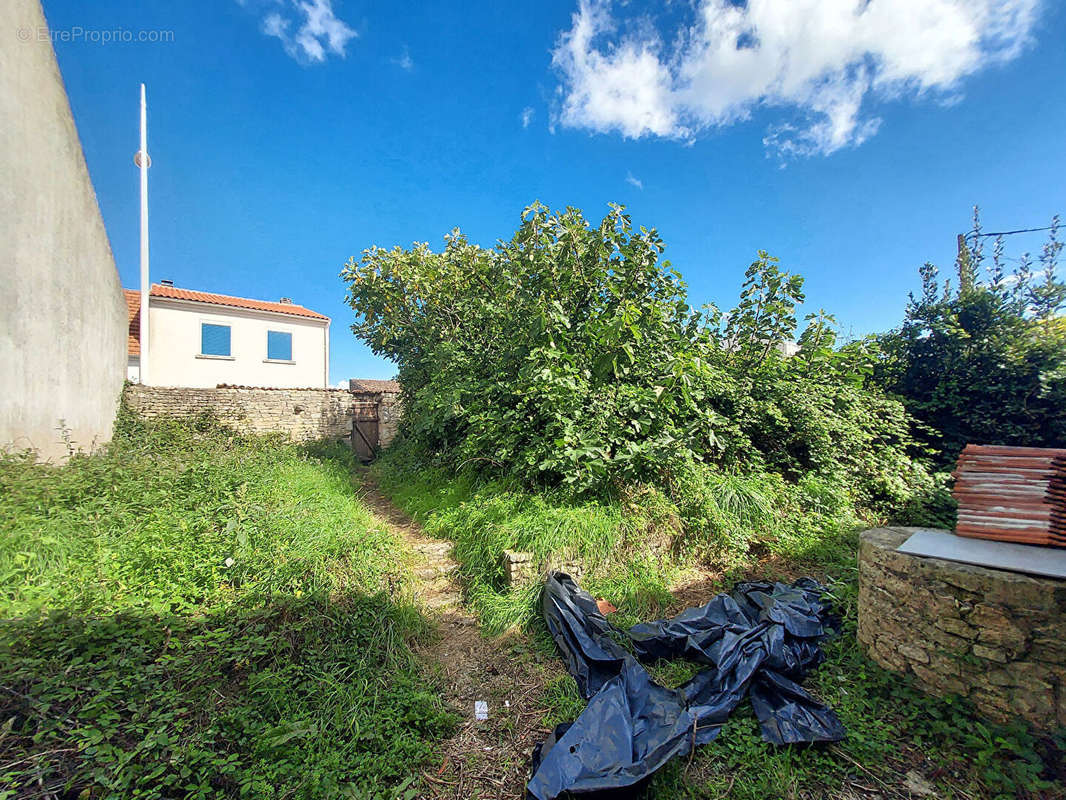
column 570, row 356
column 983, row 362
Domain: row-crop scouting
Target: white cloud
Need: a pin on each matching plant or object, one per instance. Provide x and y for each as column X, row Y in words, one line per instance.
column 818, row 60
column 308, row 29
column 526, row 116
column 405, row 62
column 632, row 181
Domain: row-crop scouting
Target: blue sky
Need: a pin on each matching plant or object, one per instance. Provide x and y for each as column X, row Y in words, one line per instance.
column 850, row 145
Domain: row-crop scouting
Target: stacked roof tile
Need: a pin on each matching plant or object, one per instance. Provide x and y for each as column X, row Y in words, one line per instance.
column 1012, row 494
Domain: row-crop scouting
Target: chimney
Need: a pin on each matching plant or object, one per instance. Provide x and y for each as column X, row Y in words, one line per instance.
column 286, row 300
column 166, row 282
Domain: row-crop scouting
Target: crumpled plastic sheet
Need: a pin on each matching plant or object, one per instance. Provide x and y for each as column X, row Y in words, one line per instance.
column 759, row 640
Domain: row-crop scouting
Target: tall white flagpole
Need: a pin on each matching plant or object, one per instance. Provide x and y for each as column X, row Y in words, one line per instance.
column 143, row 162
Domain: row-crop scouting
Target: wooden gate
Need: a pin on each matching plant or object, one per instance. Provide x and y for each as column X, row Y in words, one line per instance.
column 365, row 429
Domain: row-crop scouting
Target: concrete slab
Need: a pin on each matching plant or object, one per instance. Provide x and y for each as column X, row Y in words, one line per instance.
column 1030, row 559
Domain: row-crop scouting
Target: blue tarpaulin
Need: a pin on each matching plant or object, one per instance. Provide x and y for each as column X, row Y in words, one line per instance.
column 760, row 640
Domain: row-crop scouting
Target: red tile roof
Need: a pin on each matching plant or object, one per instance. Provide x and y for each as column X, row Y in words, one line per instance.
column 372, row 385
column 174, row 293
column 133, row 306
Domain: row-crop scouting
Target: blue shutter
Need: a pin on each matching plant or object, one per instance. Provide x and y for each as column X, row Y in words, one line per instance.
column 214, row 339
column 279, row 346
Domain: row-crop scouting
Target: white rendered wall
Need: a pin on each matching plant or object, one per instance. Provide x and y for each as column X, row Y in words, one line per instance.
column 175, row 347
column 63, row 319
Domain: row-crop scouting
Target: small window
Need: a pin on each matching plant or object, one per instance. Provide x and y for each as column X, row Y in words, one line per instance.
column 214, row 339
column 279, row 346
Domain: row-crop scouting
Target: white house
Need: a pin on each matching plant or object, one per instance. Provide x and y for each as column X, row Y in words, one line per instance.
column 198, row 339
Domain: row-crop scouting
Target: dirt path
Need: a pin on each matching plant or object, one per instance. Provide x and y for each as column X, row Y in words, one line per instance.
column 485, row 758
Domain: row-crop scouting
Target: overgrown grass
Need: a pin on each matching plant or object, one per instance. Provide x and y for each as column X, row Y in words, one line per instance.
column 632, row 547
column 196, row 614
column 738, row 527
column 609, row 538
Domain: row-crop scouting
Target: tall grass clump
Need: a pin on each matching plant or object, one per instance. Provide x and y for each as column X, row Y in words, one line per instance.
column 173, row 518
column 194, row 613
column 608, row 537
column 727, row 515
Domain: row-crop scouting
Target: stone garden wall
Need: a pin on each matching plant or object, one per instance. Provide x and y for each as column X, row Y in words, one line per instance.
column 300, row 414
column 997, row 638
column 389, row 413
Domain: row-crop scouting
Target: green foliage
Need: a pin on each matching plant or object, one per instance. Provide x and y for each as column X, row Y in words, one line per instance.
column 633, row 546
column 570, row 357
column 198, row 614
column 608, row 537
column 986, row 362
column 566, row 355
column 306, row 697
column 766, row 314
column 170, row 519
column 564, row 701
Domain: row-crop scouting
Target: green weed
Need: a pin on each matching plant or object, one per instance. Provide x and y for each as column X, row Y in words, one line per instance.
column 194, row 613
column 754, row 526
column 609, row 538
column 563, row 700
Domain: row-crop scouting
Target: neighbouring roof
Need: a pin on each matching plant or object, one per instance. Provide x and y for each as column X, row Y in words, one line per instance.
column 133, row 308
column 174, row 293
column 371, row 385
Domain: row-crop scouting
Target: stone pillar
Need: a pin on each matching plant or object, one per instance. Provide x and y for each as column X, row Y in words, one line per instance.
column 995, row 637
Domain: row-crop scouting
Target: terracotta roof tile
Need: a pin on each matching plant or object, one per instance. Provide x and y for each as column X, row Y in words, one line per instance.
column 133, row 307
column 174, row 293
column 372, row 385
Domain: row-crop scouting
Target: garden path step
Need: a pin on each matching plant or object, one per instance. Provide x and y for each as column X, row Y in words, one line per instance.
column 430, row 571
column 435, row 585
column 483, row 758
column 434, row 549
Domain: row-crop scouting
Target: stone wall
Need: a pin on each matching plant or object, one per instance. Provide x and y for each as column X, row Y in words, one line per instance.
column 301, row 414
column 389, row 412
column 997, row 638
column 521, row 568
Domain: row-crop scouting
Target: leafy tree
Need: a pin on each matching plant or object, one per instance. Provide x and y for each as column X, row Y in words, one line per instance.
column 569, row 355
column 985, row 362
column 766, row 314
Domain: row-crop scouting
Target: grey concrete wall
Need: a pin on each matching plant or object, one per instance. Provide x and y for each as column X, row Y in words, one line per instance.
column 62, row 314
